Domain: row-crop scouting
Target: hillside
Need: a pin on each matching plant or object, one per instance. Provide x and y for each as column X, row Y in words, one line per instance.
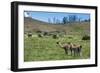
column 33, row 25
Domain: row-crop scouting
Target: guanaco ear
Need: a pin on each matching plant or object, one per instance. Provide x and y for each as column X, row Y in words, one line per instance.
column 80, row 46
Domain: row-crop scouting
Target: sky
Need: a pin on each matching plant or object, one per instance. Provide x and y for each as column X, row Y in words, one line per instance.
column 48, row 16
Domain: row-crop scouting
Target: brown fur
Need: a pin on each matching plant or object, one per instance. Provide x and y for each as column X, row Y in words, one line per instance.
column 76, row 49
column 72, row 48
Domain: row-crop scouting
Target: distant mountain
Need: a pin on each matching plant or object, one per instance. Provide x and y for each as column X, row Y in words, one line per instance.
column 33, row 25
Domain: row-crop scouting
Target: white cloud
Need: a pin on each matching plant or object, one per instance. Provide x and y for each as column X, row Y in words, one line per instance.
column 26, row 14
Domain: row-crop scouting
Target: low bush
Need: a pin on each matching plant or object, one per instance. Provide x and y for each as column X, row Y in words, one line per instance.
column 86, row 37
column 29, row 35
column 39, row 35
column 55, row 36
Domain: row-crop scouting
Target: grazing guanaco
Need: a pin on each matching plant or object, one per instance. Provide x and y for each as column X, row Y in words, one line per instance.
column 72, row 48
column 66, row 47
column 76, row 49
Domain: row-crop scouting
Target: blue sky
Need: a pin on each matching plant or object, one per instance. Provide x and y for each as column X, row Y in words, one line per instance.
column 44, row 16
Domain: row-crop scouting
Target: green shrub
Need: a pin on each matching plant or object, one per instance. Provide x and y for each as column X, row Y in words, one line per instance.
column 45, row 33
column 29, row 35
column 39, row 35
column 86, row 37
column 55, row 36
column 70, row 37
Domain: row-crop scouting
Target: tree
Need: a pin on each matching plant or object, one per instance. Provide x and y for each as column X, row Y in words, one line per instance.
column 54, row 20
column 79, row 19
column 49, row 21
column 64, row 21
column 57, row 21
column 72, row 18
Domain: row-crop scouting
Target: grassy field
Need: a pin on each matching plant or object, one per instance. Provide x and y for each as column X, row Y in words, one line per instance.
column 45, row 48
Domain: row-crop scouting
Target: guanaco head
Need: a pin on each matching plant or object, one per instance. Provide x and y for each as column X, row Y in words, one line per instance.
column 67, row 43
column 80, row 46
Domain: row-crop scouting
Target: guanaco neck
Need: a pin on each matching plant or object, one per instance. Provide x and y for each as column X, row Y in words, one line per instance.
column 60, row 45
